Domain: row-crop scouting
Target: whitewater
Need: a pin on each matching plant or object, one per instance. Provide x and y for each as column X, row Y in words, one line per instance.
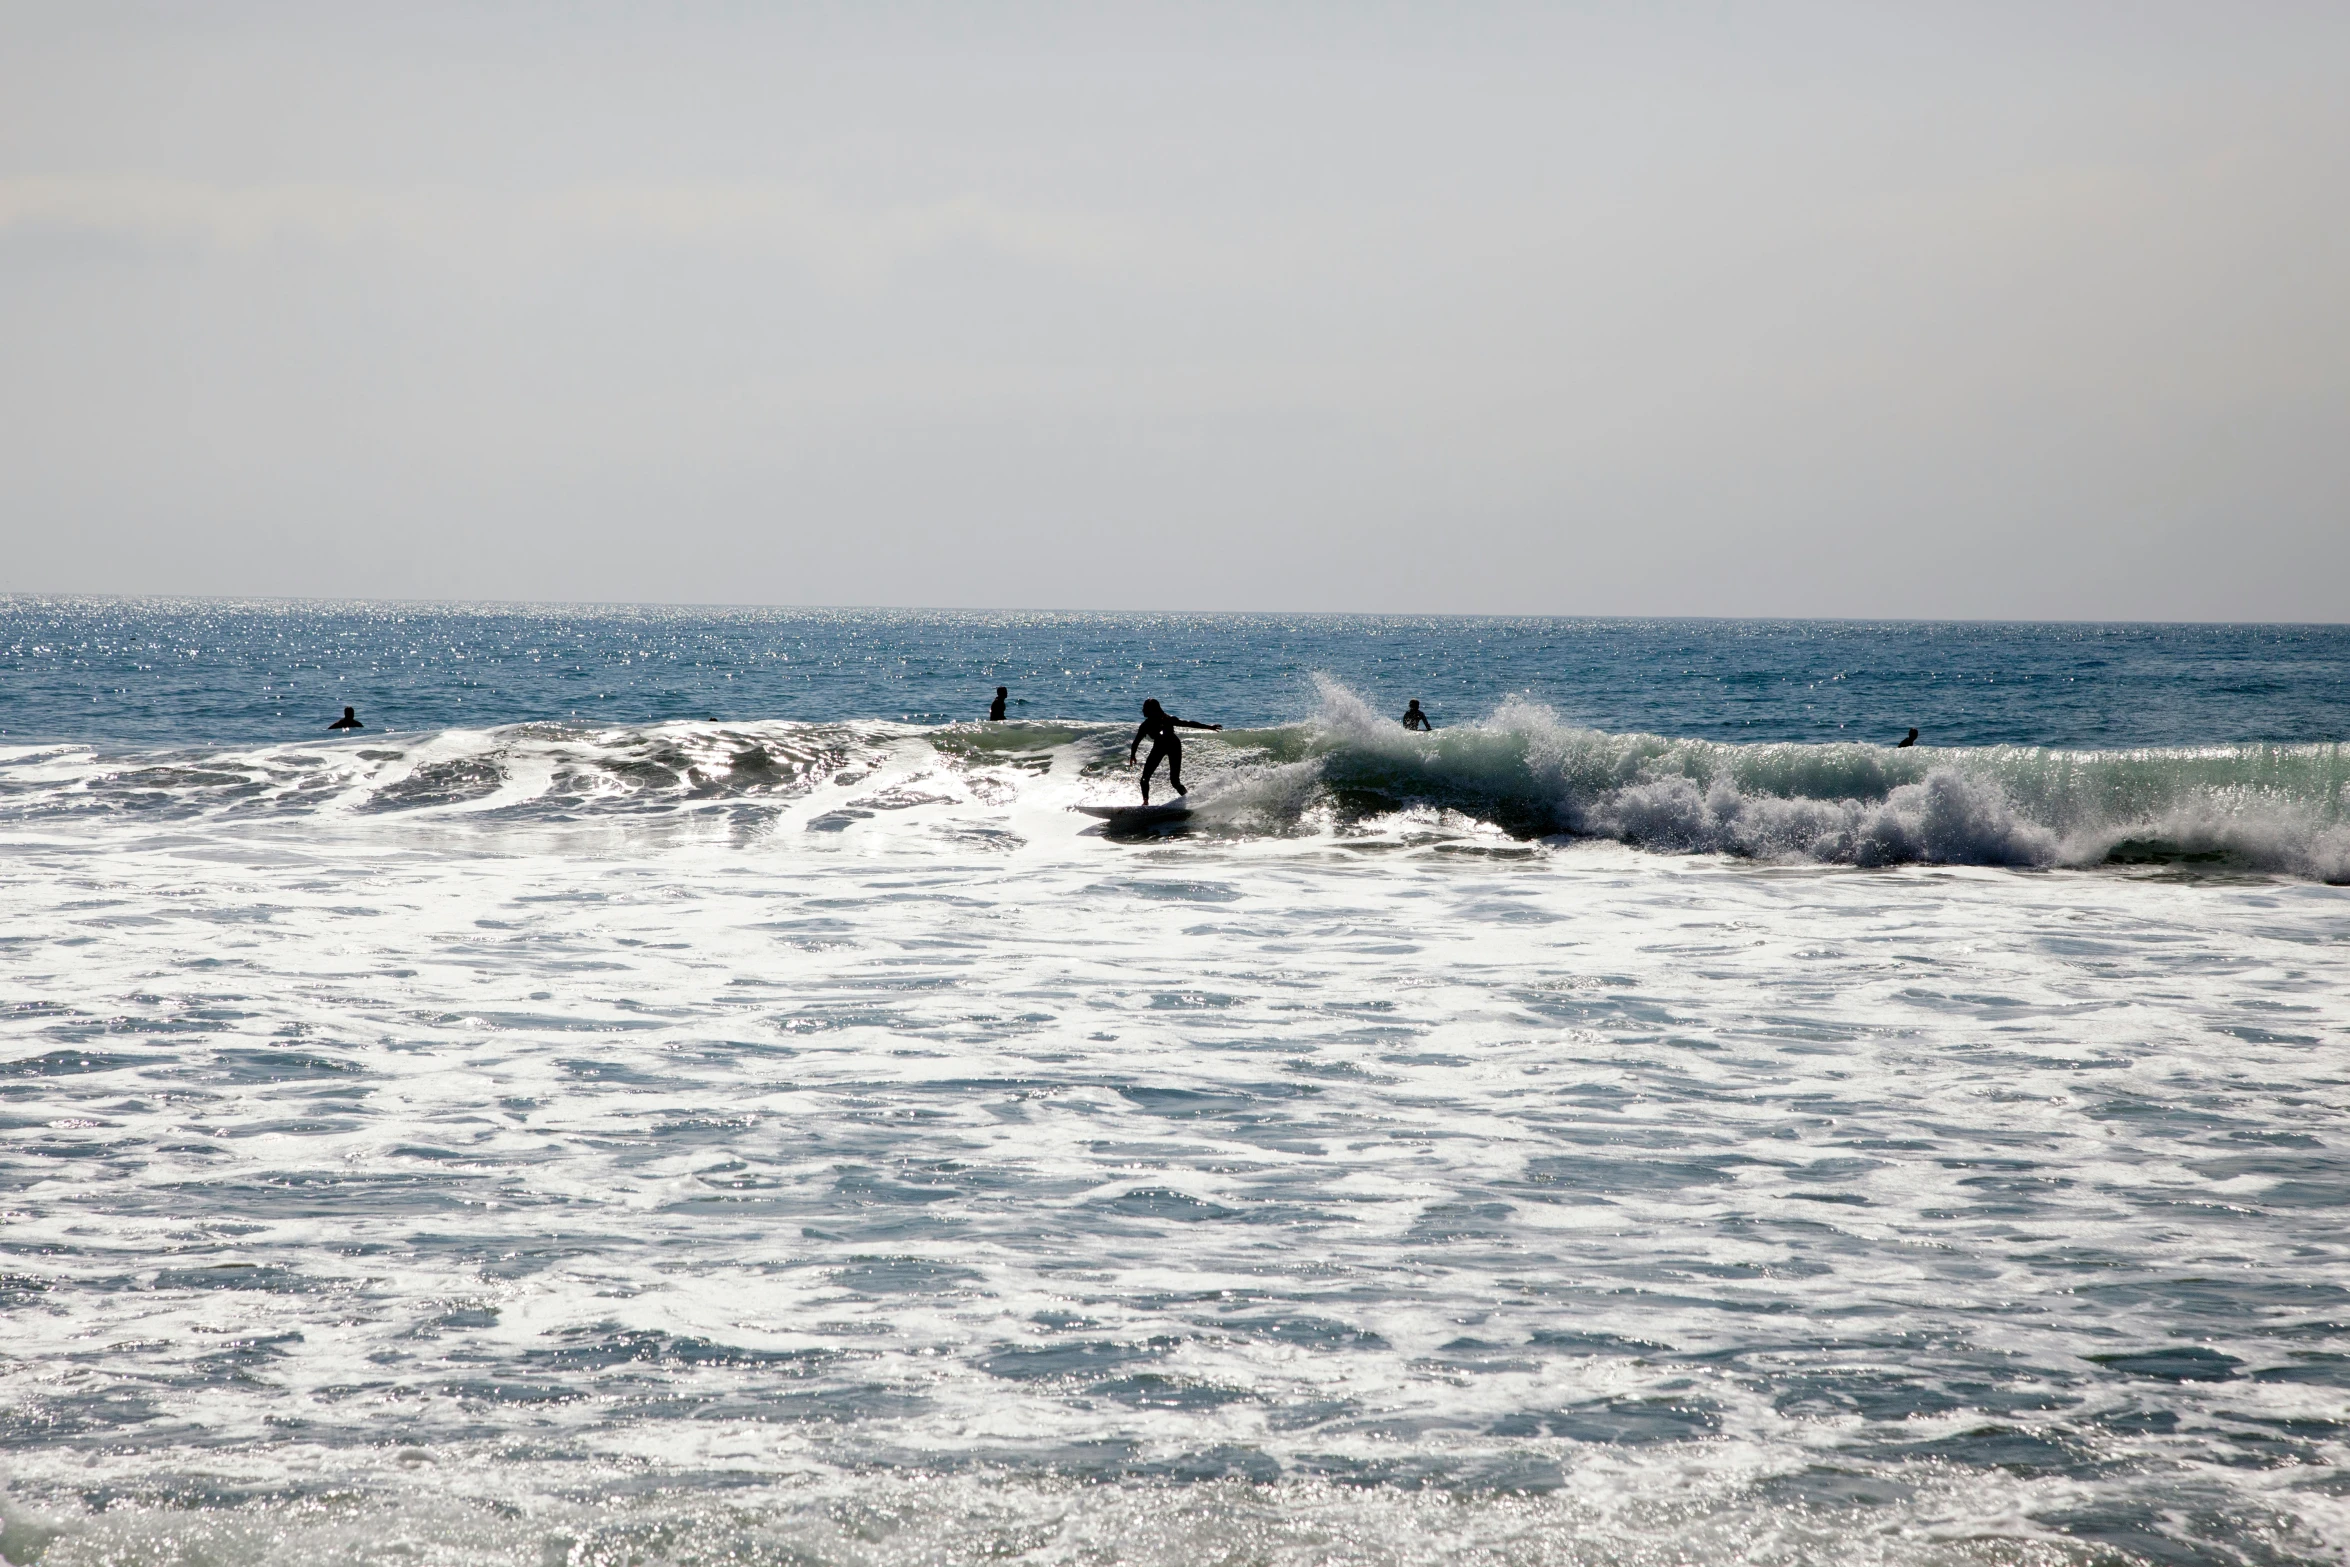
column 814, row 1142
column 1523, row 771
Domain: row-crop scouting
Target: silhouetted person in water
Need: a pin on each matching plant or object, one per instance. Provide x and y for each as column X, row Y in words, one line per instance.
column 349, row 720
column 1160, row 725
column 1906, row 741
column 1413, row 718
column 995, row 709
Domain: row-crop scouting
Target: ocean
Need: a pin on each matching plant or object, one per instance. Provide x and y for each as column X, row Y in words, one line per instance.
column 679, row 1087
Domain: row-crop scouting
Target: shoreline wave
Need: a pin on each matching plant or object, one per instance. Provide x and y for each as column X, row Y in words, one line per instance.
column 1347, row 769
column 2271, row 807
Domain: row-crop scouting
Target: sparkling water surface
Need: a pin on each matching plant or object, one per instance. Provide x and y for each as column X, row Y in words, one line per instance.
column 159, row 671
column 782, row 1132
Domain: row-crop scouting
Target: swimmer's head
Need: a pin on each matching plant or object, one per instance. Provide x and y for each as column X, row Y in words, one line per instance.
column 1150, row 707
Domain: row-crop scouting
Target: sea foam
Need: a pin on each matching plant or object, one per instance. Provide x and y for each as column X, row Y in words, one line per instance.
column 796, row 1142
column 2269, row 807
column 1523, row 770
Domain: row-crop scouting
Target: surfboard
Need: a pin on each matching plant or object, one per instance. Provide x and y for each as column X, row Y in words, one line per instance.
column 1136, row 815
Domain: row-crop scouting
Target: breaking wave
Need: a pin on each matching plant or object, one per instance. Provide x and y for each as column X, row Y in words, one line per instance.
column 1347, row 769
column 2271, row 807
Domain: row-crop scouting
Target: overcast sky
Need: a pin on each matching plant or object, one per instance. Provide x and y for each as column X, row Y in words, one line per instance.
column 1963, row 310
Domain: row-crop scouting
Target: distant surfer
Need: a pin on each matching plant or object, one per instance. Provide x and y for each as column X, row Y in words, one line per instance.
column 1413, row 718
column 1906, row 741
column 349, row 720
column 1159, row 726
column 995, row 709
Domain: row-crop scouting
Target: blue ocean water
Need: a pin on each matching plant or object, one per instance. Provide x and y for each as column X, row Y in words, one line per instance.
column 150, row 671
column 678, row 1088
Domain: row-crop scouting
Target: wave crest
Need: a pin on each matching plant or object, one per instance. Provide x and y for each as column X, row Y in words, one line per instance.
column 1523, row 771
column 2271, row 807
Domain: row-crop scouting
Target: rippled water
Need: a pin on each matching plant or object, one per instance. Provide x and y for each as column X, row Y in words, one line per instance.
column 812, row 1142
column 174, row 671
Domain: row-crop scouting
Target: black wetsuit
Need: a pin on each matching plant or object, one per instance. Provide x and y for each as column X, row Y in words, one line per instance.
column 995, row 710
column 1166, row 745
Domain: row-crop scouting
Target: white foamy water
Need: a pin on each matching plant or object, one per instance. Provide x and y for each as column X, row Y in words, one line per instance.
column 817, row 1143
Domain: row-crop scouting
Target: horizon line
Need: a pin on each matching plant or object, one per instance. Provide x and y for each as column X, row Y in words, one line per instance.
column 712, row 605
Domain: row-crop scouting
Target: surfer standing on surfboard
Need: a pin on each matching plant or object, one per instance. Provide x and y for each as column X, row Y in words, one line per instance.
column 1160, row 726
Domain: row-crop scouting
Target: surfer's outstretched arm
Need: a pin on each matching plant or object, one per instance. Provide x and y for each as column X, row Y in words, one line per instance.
column 1185, row 723
column 1140, row 730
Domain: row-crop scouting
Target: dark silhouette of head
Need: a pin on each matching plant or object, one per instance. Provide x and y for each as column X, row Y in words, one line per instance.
column 350, row 712
column 1415, row 704
column 1003, row 691
column 1150, row 707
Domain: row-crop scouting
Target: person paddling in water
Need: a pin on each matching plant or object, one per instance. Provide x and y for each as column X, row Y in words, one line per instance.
column 349, row 720
column 1160, row 726
column 1413, row 718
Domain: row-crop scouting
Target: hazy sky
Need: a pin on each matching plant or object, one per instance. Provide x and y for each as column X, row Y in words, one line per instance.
column 1960, row 310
